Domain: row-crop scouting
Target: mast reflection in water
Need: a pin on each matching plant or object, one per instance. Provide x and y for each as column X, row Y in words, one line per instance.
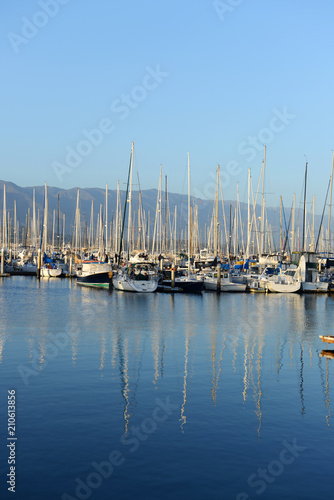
column 209, row 386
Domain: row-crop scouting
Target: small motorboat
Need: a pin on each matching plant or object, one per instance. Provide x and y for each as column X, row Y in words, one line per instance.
column 327, row 354
column 327, row 338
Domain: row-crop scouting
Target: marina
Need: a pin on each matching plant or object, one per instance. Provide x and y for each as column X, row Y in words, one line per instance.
column 126, row 255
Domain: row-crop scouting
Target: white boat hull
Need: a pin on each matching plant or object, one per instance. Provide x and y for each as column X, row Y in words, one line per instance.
column 50, row 273
column 129, row 285
column 283, row 287
column 211, row 284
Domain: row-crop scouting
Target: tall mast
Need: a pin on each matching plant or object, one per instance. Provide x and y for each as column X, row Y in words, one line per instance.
column 189, row 229
column 293, row 224
column 91, row 228
column 280, row 225
column 125, row 204
column 191, row 232
column 106, row 217
column 58, row 235
column 53, row 230
column 34, row 235
column 101, row 233
column 9, row 225
column 77, row 224
column 130, row 202
column 237, row 222
column 4, row 238
column 304, row 216
column 141, row 221
column 148, row 230
column 15, row 230
column 117, row 219
column 312, row 239
column 175, row 235
column 157, row 213
column 63, row 232
column 230, row 235
column 166, row 215
column 45, row 219
column 262, row 206
column 215, row 243
column 248, row 216
column 330, row 210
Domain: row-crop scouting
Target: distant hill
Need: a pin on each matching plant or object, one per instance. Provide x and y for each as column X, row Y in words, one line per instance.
column 68, row 197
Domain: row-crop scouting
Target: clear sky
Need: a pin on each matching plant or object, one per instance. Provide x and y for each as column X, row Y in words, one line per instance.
column 81, row 79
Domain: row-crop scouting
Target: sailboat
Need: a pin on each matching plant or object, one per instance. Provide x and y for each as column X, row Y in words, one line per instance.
column 284, row 283
column 51, row 270
column 139, row 276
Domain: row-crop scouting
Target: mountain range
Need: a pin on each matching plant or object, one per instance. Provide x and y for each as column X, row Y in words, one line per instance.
column 68, row 199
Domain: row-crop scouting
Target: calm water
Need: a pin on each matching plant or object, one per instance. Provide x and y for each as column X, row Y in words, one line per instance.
column 126, row 396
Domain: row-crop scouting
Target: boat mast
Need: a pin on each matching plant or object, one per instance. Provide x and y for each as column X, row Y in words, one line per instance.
column 215, row 244
column 4, row 218
column 293, row 224
column 106, row 217
column 166, row 215
column 130, row 203
column 34, row 236
column 46, row 219
column 189, row 228
column 141, row 238
column 15, row 230
column 101, row 249
column 53, row 230
column 304, row 216
column 248, row 216
column 262, row 206
column 157, row 212
column 117, row 219
column 125, row 204
column 280, row 225
column 313, row 240
column 91, row 228
column 77, row 225
column 330, row 210
column 237, row 222
column 64, row 232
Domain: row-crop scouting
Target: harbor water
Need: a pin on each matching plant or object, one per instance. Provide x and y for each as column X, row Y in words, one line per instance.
column 124, row 396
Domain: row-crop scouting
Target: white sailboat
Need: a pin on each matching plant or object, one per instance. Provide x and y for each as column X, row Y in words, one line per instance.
column 285, row 282
column 51, row 271
column 137, row 277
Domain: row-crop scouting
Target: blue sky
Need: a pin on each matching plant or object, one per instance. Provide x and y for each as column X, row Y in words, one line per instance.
column 215, row 79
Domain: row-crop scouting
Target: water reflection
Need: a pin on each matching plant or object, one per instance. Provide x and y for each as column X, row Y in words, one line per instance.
column 216, row 371
column 122, row 345
column 301, row 379
column 183, row 417
column 226, row 343
column 258, row 410
column 328, row 355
